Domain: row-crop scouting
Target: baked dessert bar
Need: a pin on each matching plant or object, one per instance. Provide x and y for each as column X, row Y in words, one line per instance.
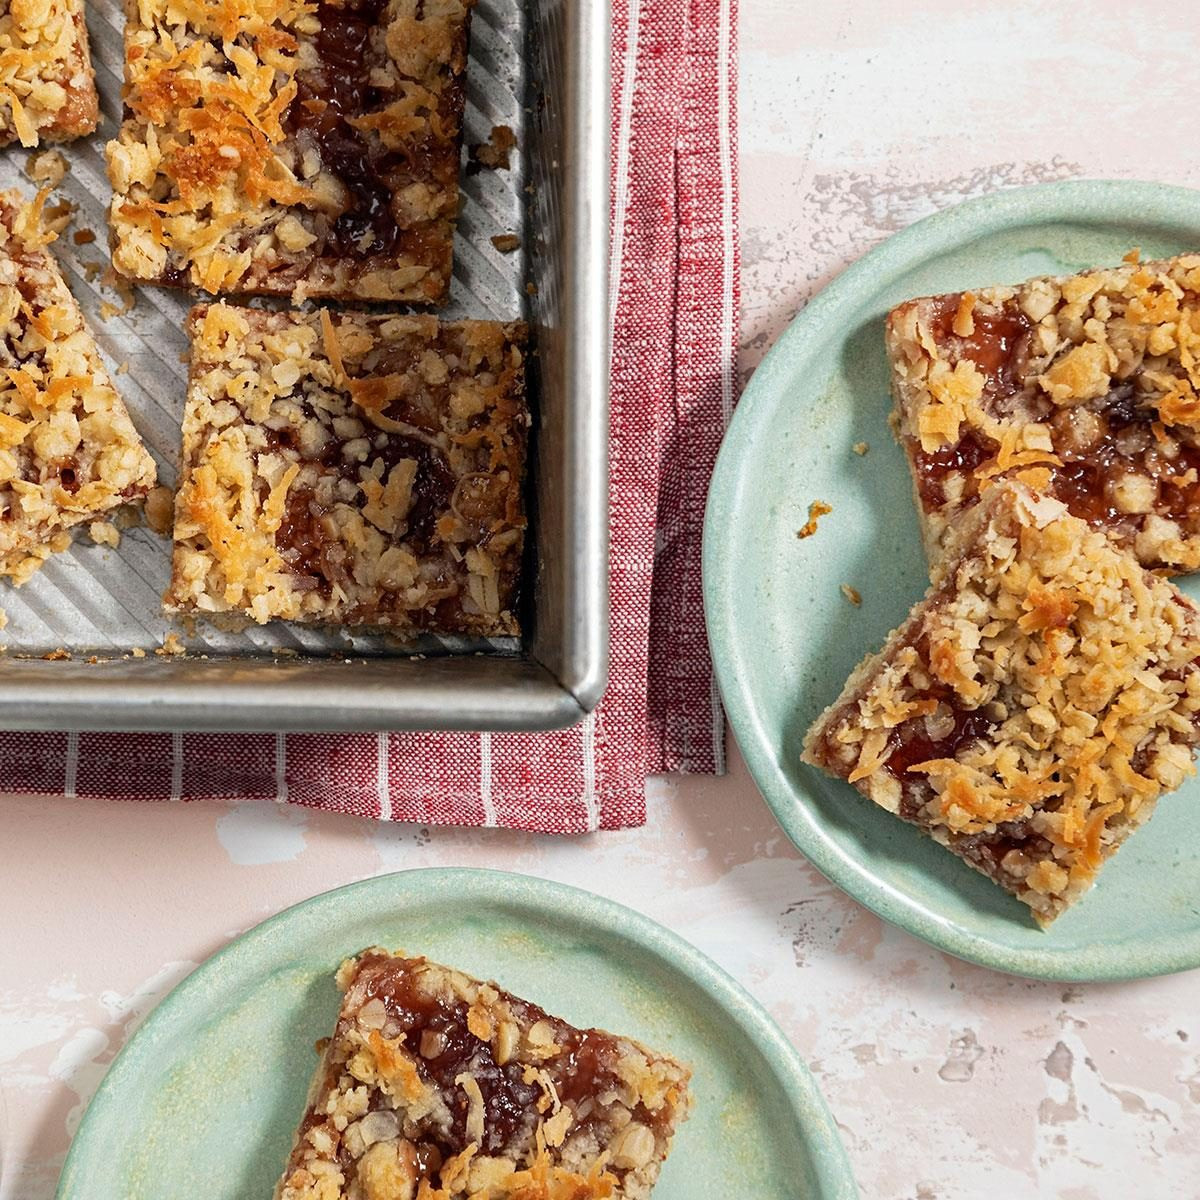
column 435, row 1086
column 47, row 87
column 352, row 469
column 1085, row 387
column 68, row 450
column 289, row 147
column 1033, row 707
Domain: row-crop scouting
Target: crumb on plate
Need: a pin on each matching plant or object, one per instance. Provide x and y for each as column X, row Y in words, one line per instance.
column 816, row 510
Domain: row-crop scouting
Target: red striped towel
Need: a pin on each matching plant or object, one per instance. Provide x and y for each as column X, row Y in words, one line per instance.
column 674, row 304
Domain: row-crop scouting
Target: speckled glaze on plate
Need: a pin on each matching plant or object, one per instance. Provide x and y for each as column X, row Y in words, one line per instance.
column 785, row 638
column 205, row 1097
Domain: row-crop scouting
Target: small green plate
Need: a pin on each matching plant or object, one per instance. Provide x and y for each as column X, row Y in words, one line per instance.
column 204, row 1099
column 784, row 637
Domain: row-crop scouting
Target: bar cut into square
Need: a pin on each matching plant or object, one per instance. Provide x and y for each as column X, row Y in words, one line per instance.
column 47, row 86
column 437, row 1085
column 291, row 148
column 1085, row 387
column 68, row 450
column 1033, row 707
column 352, row 469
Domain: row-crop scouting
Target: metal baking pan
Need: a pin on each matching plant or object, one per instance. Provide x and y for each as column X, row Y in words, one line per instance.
column 540, row 67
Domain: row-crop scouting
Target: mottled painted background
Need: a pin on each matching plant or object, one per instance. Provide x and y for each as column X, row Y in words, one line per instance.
column 947, row 1081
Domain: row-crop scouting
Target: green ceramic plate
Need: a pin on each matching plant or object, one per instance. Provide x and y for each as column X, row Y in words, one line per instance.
column 785, row 639
column 204, row 1098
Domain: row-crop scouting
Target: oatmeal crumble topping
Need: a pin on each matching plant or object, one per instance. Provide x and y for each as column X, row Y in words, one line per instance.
column 308, row 147
column 1033, row 707
column 1085, row 387
column 47, row 89
column 68, row 450
column 352, row 469
column 436, row 1086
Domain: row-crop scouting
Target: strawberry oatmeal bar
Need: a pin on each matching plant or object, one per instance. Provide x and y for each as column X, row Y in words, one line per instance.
column 68, row 450
column 435, row 1086
column 288, row 147
column 47, row 86
column 352, row 469
column 1085, row 387
column 1033, row 707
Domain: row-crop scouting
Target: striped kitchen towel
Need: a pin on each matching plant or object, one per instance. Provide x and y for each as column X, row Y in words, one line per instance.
column 673, row 307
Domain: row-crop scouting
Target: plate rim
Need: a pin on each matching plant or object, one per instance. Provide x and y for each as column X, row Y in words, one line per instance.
column 1094, row 201
column 824, row 1145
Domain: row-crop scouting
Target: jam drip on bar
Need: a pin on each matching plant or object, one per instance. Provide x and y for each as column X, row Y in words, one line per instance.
column 998, row 344
column 956, row 727
column 1127, row 445
column 437, row 1033
column 328, row 101
column 963, row 459
column 1125, row 441
column 310, row 549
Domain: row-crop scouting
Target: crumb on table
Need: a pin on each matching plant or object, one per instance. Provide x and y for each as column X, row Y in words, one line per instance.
column 58, row 655
column 860, row 448
column 816, row 510
column 852, row 594
column 506, row 243
column 83, row 237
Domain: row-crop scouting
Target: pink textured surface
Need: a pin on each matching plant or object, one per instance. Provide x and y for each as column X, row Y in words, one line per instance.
column 674, row 310
column 949, row 1082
